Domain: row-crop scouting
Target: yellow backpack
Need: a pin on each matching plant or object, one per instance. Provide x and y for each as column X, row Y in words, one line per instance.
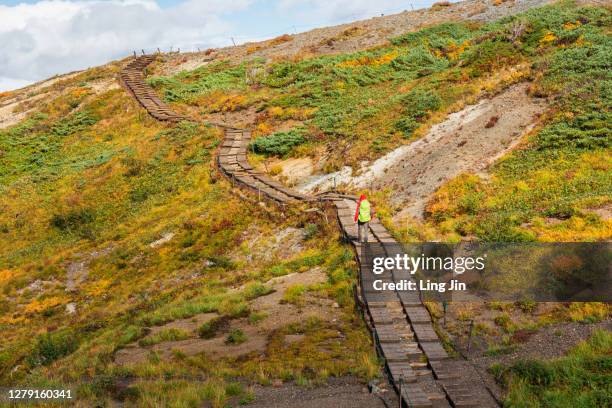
column 364, row 211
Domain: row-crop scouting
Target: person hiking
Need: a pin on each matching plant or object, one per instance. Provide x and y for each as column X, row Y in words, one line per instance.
column 363, row 215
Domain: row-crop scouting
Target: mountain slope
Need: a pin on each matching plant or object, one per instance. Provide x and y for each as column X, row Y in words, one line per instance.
column 123, row 256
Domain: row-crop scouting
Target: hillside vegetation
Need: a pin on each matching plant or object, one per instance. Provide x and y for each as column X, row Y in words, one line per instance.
column 352, row 107
column 118, row 236
column 113, row 223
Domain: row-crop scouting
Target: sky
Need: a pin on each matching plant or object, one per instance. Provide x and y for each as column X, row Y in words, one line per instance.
column 39, row 39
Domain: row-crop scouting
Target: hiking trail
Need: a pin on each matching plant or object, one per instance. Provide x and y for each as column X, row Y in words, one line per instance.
column 402, row 329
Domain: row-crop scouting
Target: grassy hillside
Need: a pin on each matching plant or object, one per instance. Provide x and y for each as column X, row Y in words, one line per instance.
column 564, row 168
column 91, row 188
column 114, row 227
column 357, row 106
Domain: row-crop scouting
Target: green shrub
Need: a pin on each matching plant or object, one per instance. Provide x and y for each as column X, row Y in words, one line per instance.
column 74, row 220
column 294, row 294
column 217, row 76
column 235, row 337
column 233, row 389
column 579, row 379
column 406, row 125
column 493, row 351
column 417, row 106
column 527, row 305
column 310, row 230
column 503, row 320
column 256, row 317
column 209, row 329
column 78, row 122
column 255, row 290
column 163, row 336
column 438, row 36
column 279, row 143
column 52, row 346
column 587, row 131
column 418, row 103
column 419, row 60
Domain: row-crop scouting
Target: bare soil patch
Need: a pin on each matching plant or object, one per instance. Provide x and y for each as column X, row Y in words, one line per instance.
column 77, row 271
column 280, row 314
column 276, row 313
column 189, row 324
column 22, row 102
column 604, row 212
column 467, row 141
column 265, row 245
column 295, row 169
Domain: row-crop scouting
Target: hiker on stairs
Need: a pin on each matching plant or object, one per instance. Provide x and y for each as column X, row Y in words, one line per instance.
column 363, row 215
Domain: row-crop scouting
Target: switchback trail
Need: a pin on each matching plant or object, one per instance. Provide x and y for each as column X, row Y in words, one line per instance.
column 401, row 326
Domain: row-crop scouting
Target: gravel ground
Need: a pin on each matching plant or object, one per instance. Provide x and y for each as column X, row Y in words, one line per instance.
column 345, row 392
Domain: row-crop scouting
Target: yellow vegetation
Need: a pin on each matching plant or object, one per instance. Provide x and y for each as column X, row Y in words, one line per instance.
column 277, row 112
column 5, row 275
column 580, row 42
column 38, row 306
column 262, row 129
column 280, row 39
column 275, row 170
column 228, row 103
column 253, row 48
column 575, row 228
column 572, row 26
column 585, row 311
column 454, row 51
column 548, row 38
column 80, row 92
column 12, row 320
column 444, row 201
column 369, row 61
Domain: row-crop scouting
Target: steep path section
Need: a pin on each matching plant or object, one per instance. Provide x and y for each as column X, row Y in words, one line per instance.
column 416, row 363
column 132, row 78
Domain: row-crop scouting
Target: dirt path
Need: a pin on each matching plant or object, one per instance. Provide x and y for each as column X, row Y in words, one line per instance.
column 467, row 141
column 345, row 392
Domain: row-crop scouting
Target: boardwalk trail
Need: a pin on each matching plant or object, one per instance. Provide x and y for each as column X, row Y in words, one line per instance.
column 401, row 326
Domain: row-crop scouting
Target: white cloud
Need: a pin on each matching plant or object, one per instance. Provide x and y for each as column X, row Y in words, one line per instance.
column 8, row 84
column 52, row 37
